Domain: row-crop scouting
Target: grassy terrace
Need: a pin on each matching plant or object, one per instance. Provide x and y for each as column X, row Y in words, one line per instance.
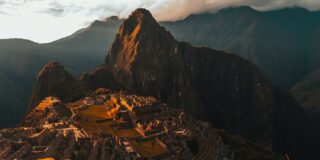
column 146, row 148
column 89, row 117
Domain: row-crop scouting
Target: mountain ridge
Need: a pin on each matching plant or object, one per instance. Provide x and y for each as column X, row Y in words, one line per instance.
column 147, row 60
column 79, row 57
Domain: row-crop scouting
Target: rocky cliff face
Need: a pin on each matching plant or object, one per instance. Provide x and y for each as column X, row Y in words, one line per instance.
column 54, row 80
column 212, row 85
column 216, row 86
column 144, row 58
column 222, row 88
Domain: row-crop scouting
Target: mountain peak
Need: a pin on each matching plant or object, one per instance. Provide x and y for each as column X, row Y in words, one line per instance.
column 142, row 13
column 139, row 35
column 142, row 16
column 293, row 10
column 52, row 66
column 104, row 22
column 139, row 20
column 237, row 10
column 53, row 80
column 113, row 18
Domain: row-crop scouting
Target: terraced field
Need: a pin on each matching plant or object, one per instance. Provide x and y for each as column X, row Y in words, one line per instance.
column 88, row 121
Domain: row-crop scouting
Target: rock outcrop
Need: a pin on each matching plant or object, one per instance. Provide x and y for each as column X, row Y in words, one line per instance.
column 210, row 84
column 144, row 58
column 54, row 80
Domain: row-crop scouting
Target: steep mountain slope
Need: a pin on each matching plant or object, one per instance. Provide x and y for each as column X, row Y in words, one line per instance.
column 54, row 80
column 281, row 47
column 93, row 40
column 307, row 93
column 20, row 61
column 307, row 90
column 146, row 59
column 212, row 85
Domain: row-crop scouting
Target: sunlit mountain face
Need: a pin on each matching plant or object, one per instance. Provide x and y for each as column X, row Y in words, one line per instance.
column 159, row 80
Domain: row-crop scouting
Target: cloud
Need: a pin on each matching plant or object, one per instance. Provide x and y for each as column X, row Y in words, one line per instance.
column 2, row 2
column 54, row 11
column 41, row 17
column 178, row 9
column 162, row 9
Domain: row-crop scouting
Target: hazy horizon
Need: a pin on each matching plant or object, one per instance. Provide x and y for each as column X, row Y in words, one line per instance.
column 36, row 19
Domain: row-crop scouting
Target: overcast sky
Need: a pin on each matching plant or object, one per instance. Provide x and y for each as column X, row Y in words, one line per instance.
column 47, row 20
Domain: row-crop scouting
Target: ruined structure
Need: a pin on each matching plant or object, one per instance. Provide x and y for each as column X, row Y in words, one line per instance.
column 94, row 132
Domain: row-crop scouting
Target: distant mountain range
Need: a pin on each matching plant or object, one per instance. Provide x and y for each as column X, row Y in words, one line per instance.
column 282, row 43
column 21, row 60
